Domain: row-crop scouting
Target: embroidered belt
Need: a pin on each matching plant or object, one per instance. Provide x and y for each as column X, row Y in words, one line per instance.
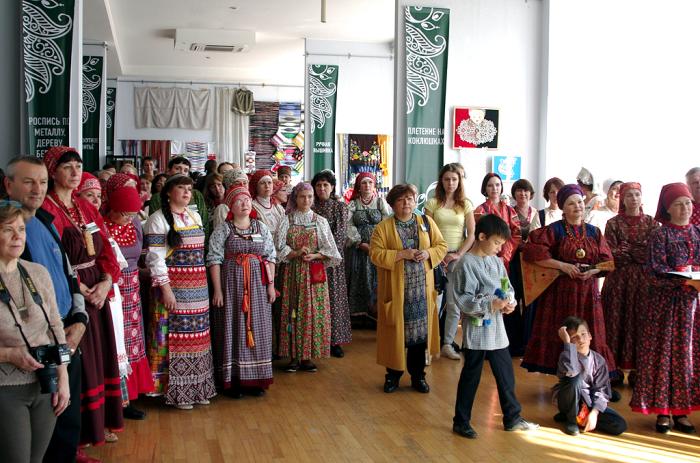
column 84, row 265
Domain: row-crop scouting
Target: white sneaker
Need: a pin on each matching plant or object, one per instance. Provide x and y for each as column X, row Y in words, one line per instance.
column 449, row 352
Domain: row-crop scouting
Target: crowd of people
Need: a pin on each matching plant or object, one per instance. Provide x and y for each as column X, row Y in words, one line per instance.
column 117, row 285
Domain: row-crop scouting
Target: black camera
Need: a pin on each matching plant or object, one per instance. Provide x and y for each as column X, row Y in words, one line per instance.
column 50, row 355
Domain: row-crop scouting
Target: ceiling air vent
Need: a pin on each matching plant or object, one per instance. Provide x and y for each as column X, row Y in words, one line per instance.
column 214, row 40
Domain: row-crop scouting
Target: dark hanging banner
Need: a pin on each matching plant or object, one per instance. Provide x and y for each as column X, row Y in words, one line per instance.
column 323, row 86
column 427, row 36
column 92, row 98
column 47, row 35
column 110, row 106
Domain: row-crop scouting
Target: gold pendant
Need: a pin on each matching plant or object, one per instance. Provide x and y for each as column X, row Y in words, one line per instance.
column 580, row 253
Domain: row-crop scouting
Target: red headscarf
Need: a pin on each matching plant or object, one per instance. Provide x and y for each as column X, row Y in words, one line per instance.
column 119, row 180
column 234, row 193
column 358, row 182
column 670, row 193
column 125, row 199
column 88, row 182
column 255, row 178
column 624, row 188
column 52, row 156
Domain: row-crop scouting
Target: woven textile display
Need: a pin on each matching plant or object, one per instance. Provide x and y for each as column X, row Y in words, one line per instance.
column 263, row 125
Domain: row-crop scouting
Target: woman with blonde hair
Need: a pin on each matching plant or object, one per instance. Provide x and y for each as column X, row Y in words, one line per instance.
column 453, row 214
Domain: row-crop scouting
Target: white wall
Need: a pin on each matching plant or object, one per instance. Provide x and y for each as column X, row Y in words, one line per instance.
column 365, row 98
column 125, row 128
column 494, row 61
column 623, row 91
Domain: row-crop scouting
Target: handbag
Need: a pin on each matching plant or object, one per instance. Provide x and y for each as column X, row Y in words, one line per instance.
column 439, row 274
column 317, row 271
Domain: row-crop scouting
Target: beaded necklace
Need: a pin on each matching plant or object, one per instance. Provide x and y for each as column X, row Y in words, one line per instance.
column 578, row 239
column 75, row 216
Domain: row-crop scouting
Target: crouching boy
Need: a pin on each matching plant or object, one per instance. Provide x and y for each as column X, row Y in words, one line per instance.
column 584, row 391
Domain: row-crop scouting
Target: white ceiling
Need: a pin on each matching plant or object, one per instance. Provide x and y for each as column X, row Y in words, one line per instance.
column 141, row 35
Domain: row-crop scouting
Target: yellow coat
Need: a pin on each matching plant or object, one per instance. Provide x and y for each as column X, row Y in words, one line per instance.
column 384, row 246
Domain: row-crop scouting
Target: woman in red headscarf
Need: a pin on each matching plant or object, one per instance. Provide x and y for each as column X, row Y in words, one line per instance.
column 124, row 226
column 366, row 209
column 266, row 209
column 82, row 234
column 668, row 355
column 492, row 188
column 241, row 261
column 572, row 247
column 90, row 190
column 625, row 290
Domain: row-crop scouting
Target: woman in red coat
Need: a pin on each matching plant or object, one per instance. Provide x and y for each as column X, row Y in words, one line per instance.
column 573, row 247
column 82, row 233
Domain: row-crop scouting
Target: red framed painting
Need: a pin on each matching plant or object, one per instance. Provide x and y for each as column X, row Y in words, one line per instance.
column 475, row 128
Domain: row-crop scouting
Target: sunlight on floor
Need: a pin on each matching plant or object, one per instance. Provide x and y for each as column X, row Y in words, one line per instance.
column 627, row 448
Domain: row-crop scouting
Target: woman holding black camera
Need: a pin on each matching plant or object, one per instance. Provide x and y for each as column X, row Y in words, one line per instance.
column 34, row 386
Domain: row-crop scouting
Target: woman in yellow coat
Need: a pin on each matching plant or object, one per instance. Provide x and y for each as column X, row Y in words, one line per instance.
column 405, row 248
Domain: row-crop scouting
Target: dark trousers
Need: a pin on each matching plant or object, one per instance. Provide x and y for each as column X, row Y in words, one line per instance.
column 415, row 362
column 569, row 402
column 502, row 367
column 66, row 434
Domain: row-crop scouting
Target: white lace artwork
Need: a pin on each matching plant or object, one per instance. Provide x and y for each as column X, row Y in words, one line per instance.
column 422, row 74
column 43, row 58
column 91, row 80
column 320, row 91
column 476, row 134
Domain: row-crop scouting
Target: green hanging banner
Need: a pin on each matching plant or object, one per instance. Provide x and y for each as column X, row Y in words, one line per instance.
column 92, row 98
column 110, row 104
column 323, row 86
column 47, row 36
column 427, row 35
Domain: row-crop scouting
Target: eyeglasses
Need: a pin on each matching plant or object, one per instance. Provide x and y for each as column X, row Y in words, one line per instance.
column 10, row 203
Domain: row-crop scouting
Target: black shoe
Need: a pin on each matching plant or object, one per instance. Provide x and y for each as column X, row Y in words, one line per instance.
column 560, row 417
column 233, row 392
column 337, row 351
column 254, row 391
column 615, row 396
column 308, row 366
column 664, row 427
column 391, row 383
column 685, row 428
column 617, row 378
column 571, row 429
column 464, row 430
column 292, row 367
column 420, row 385
column 133, row 413
column 522, row 425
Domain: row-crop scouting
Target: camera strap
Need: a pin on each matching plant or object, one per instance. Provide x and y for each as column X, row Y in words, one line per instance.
column 6, row 297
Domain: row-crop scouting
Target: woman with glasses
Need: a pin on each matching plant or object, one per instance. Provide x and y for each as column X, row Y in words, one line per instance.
column 28, row 412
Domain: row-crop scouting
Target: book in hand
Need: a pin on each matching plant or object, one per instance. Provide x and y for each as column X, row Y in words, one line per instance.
column 686, row 275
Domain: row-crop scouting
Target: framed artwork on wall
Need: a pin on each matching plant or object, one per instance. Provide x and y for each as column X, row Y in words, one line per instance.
column 475, row 128
column 508, row 167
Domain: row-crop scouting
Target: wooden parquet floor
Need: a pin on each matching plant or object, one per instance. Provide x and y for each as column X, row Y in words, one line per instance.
column 341, row 414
